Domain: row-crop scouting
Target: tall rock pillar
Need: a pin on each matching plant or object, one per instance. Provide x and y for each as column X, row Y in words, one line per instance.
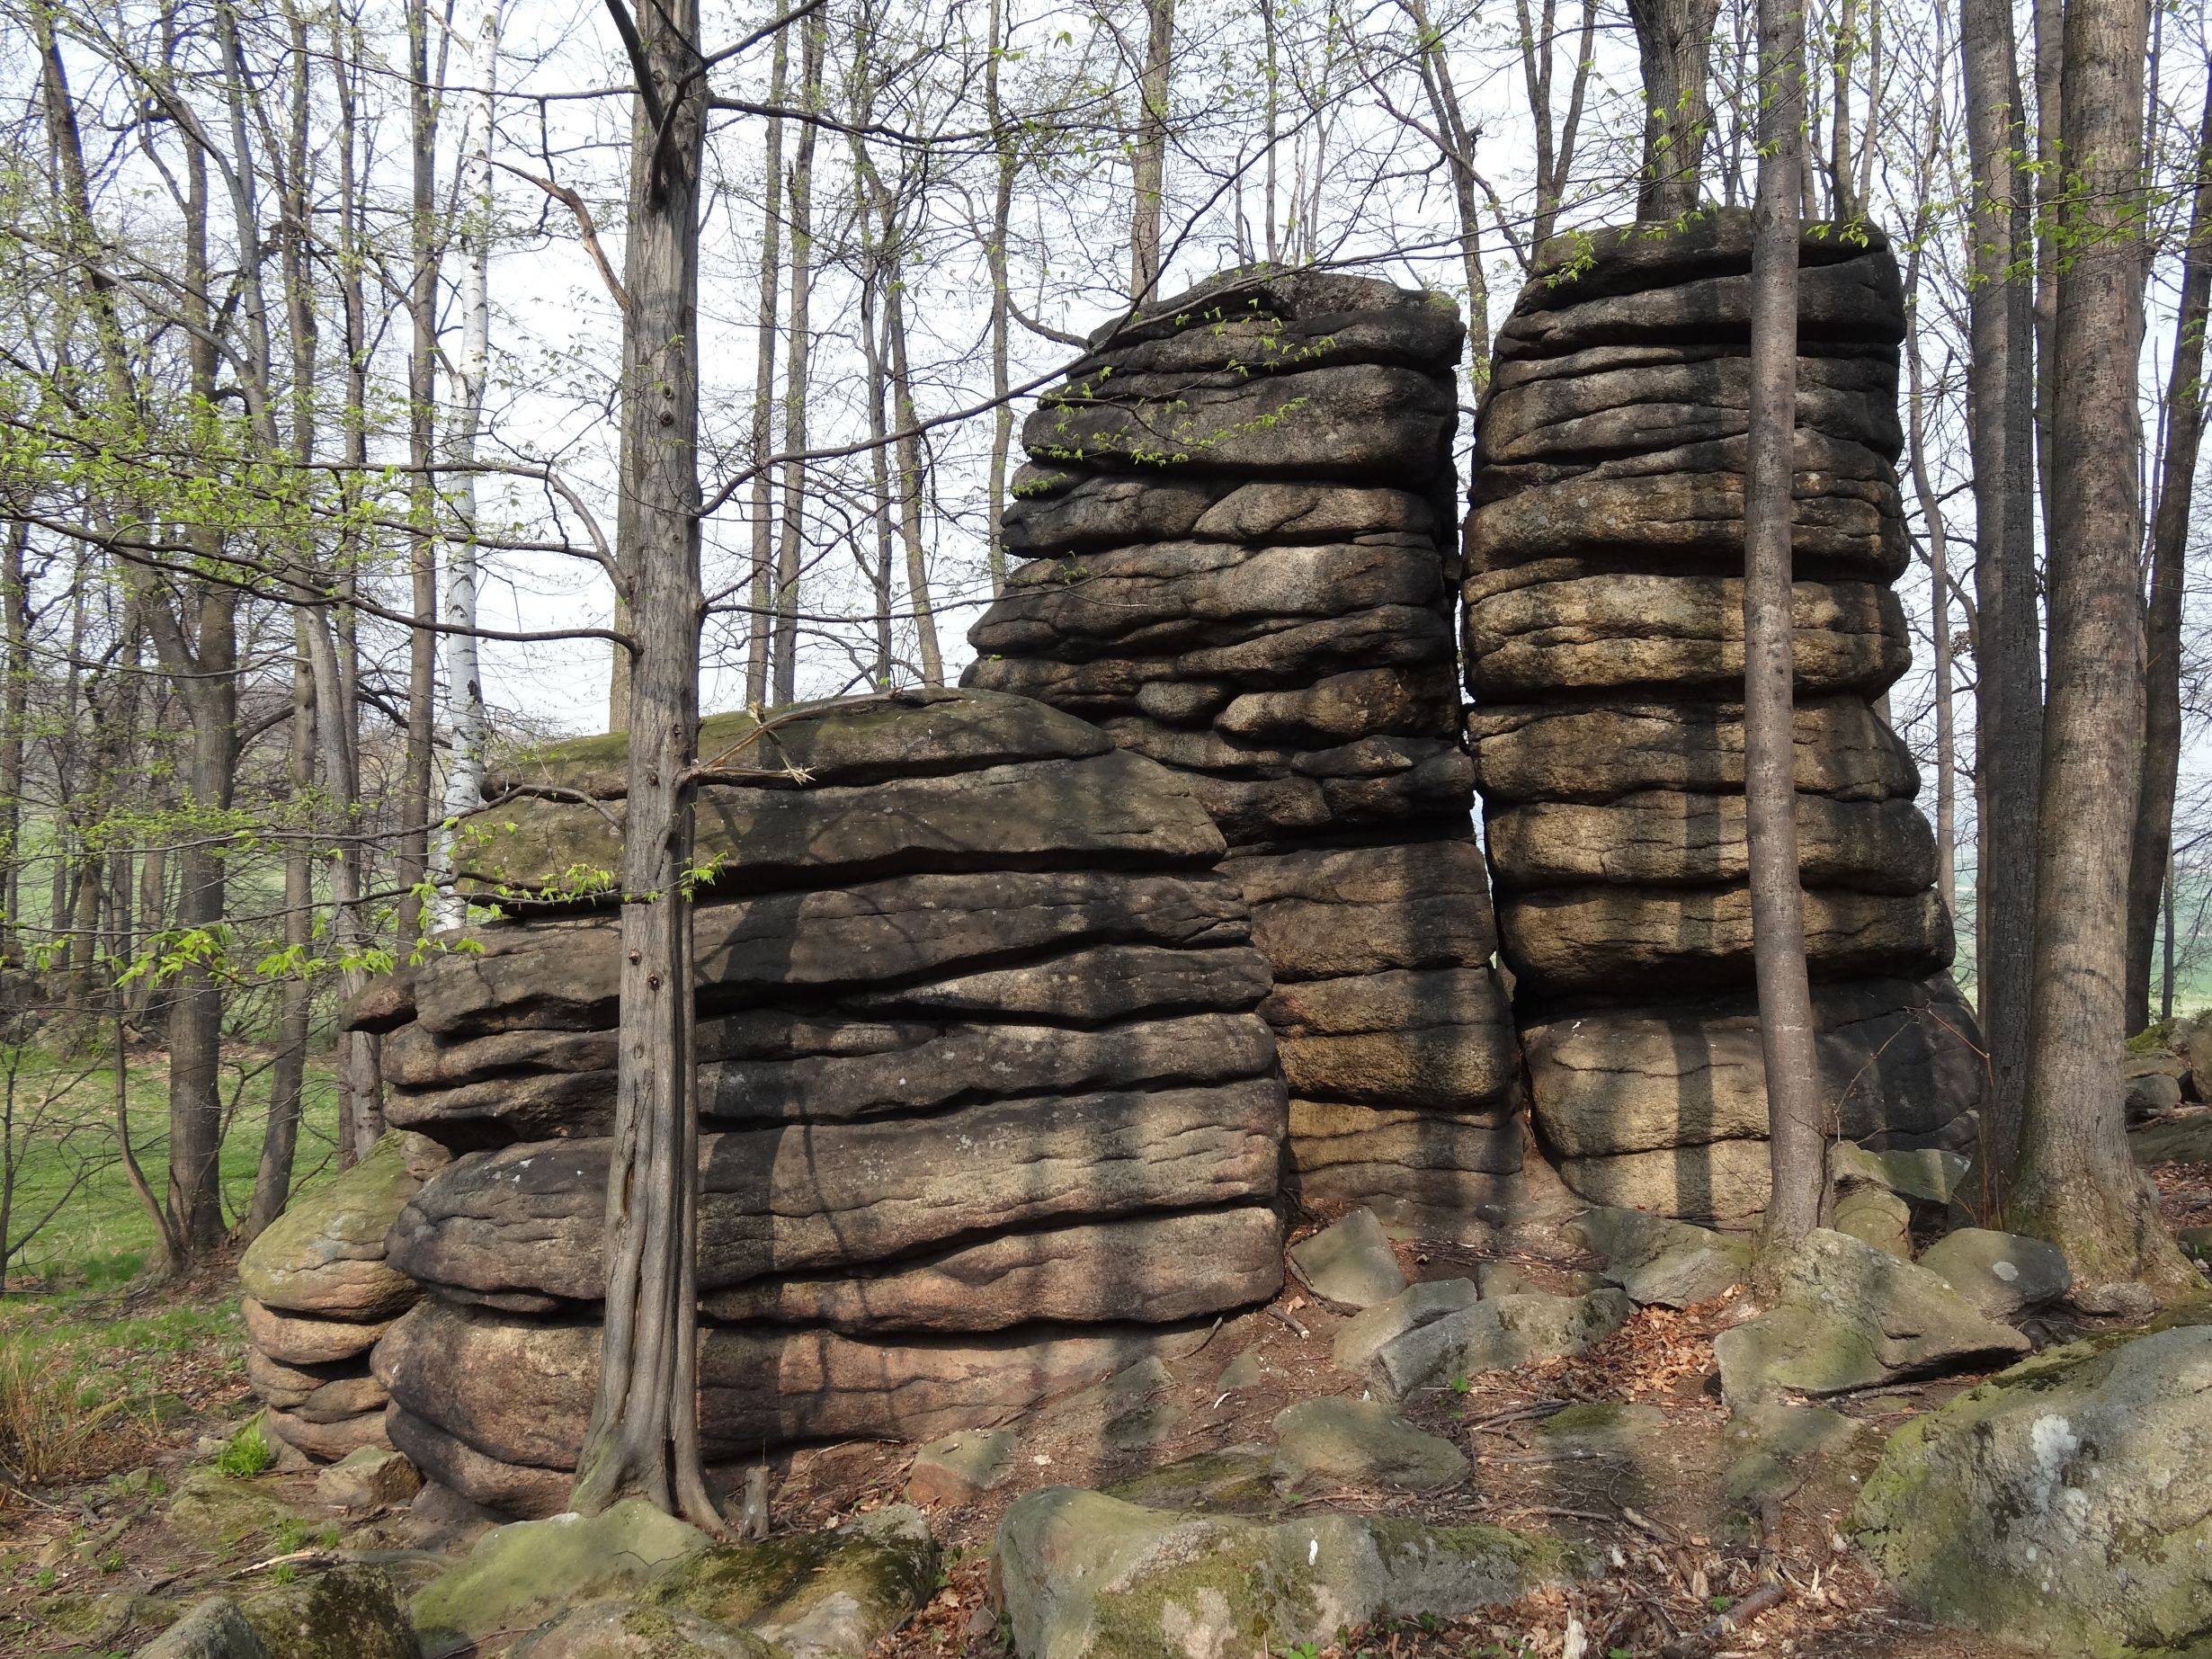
column 1234, row 523
column 1604, row 633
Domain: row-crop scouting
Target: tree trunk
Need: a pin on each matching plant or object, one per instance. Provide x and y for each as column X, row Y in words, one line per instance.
column 273, row 1180
column 1672, row 40
column 760, row 589
column 1796, row 1132
column 912, row 478
column 415, row 794
column 1148, row 157
column 464, row 682
column 1002, row 291
column 2152, row 845
column 2008, row 637
column 790, row 546
column 2076, row 1183
column 14, row 706
column 644, row 1432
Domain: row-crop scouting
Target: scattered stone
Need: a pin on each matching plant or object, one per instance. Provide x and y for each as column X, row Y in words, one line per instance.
column 1775, row 1444
column 2061, row 1505
column 2195, row 1242
column 1494, row 1336
column 1362, row 1443
column 1615, row 1428
column 2152, row 1095
column 1350, row 1261
column 2176, row 1140
column 213, row 1629
column 959, row 1468
column 1928, row 1175
column 325, row 1254
column 1371, row 1330
column 1874, row 1215
column 1659, row 1262
column 219, row 1515
column 1082, row 1576
column 348, row 1612
column 2002, row 1274
column 1235, row 1479
column 1247, row 1370
column 814, row 1595
column 1498, row 1279
column 518, row 1574
column 374, row 1477
column 625, row 1631
column 1848, row 1316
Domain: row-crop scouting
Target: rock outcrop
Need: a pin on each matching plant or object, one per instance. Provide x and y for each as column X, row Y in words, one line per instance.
column 1603, row 586
column 988, row 1110
column 1236, row 561
column 318, row 1291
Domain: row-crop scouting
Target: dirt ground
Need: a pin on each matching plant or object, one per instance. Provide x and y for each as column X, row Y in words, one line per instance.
column 88, row 1566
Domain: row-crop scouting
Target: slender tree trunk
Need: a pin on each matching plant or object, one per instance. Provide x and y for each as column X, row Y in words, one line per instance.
column 2076, row 1184
column 464, row 682
column 1002, row 291
column 912, row 478
column 273, row 1180
column 1796, row 1131
column 415, row 791
column 1674, row 39
column 2008, row 637
column 1148, row 159
column 790, row 545
column 644, row 1432
column 14, row 707
column 2152, row 846
column 760, row 592
column 2048, row 20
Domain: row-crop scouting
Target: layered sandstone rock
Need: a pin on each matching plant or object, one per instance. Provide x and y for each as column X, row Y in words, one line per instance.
column 1605, row 649
column 319, row 1291
column 988, row 1110
column 1237, row 562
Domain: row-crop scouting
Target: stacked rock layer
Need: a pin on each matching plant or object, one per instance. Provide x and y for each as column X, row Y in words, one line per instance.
column 318, row 1292
column 1236, row 563
column 988, row 1110
column 1603, row 618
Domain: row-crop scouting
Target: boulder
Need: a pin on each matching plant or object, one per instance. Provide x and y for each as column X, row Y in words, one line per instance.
column 2061, row 1505
column 307, row 1339
column 831, row 1594
column 517, row 1575
column 1847, row 1315
column 1660, row 1262
column 1504, row 1335
column 220, row 1515
column 1776, row 1445
column 325, row 1254
column 628, row 1630
column 1345, row 1442
column 327, row 1442
column 2175, row 1140
column 1082, row 1576
column 346, row 1612
column 1874, row 1215
column 957, row 1468
column 372, row 1479
column 2001, row 1274
column 214, row 1629
column 2153, row 1095
column 1724, row 1184
column 1350, row 1262
column 1373, row 1329
column 838, row 1195
column 1928, row 1175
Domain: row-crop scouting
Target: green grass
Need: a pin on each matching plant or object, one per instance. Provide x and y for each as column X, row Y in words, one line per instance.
column 103, row 1237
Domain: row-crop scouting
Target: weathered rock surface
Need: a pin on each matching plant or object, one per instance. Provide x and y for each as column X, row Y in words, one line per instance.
column 2001, row 1274
column 1604, row 641
column 959, row 1468
column 1345, row 1443
column 2064, row 1504
column 1082, row 1576
column 1848, row 1316
column 830, row 1594
column 1350, row 1262
column 1656, row 1261
column 1373, row 1329
column 493, row 1405
column 1495, row 1335
column 1236, row 508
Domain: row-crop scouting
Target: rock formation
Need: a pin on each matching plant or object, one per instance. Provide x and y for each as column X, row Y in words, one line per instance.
column 988, row 1110
column 1604, row 651
column 1237, row 563
column 318, row 1292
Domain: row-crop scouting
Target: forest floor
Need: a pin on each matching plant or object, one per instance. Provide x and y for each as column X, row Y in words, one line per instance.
column 125, row 1393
